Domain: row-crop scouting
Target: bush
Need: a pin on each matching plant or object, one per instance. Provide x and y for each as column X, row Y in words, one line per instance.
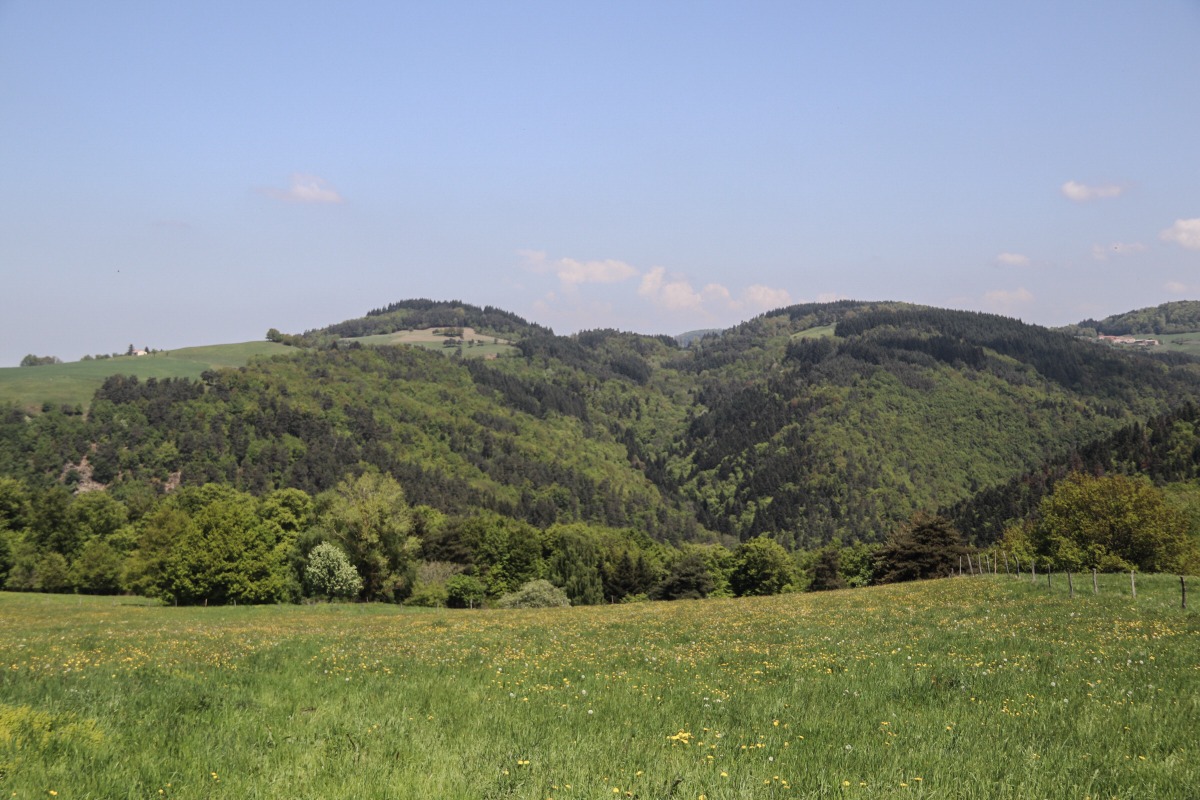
column 330, row 574
column 464, row 591
column 428, row 595
column 535, row 594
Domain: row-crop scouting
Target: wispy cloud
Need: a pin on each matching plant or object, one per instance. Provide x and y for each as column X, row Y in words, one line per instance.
column 306, row 189
column 1012, row 260
column 1103, row 252
column 1082, row 192
column 1185, row 233
column 1178, row 287
column 573, row 273
column 1005, row 301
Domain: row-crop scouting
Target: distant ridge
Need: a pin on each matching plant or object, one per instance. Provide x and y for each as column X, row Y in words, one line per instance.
column 1179, row 316
column 686, row 339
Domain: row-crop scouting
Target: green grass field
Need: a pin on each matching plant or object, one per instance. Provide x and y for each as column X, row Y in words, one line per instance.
column 75, row 383
column 1179, row 343
column 819, row 332
column 484, row 345
column 974, row 687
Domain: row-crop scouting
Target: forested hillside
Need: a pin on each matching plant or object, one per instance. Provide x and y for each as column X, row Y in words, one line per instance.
column 1181, row 316
column 1165, row 449
column 807, row 425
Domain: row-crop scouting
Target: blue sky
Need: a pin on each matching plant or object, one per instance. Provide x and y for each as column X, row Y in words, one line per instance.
column 189, row 173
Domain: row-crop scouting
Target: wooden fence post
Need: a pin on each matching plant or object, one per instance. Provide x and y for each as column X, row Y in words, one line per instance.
column 1006, row 570
column 1132, row 584
column 1070, row 585
column 1033, row 570
column 1049, row 571
column 1182, row 593
column 960, row 566
column 1095, row 586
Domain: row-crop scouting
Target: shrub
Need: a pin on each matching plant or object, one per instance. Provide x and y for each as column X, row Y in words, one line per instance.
column 464, row 591
column 428, row 595
column 330, row 574
column 535, row 594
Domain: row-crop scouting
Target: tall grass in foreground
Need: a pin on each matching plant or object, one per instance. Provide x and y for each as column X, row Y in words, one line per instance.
column 973, row 687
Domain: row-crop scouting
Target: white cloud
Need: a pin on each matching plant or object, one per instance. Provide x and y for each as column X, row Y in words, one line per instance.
column 306, row 189
column 1185, row 233
column 1012, row 260
column 766, row 297
column 1175, row 287
column 1004, row 301
column 831, row 297
column 665, row 291
column 1102, row 252
column 675, row 294
column 716, row 293
column 573, row 273
column 1081, row 192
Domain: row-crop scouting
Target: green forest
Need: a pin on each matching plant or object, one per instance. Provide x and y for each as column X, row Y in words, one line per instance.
column 815, row 446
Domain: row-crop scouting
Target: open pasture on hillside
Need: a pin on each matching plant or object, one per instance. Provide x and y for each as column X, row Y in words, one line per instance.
column 983, row 687
column 1177, row 342
column 482, row 345
column 74, row 383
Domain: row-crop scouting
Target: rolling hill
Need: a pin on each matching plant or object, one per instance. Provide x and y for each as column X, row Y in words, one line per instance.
column 810, row 423
column 73, row 384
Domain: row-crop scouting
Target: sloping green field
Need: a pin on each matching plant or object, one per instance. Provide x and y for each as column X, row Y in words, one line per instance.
column 74, row 383
column 984, row 687
column 474, row 345
column 1179, row 342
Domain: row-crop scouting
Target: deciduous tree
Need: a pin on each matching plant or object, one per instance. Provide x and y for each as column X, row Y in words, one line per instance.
column 370, row 519
column 761, row 566
column 1110, row 522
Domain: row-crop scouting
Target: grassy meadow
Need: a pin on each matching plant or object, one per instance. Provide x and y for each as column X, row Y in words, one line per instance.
column 1178, row 342
column 982, row 687
column 74, row 383
column 484, row 345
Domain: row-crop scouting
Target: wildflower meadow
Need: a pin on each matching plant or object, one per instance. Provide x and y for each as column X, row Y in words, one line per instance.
column 985, row 686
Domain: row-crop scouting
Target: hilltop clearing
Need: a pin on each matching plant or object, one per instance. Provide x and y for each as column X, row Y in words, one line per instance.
column 465, row 341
